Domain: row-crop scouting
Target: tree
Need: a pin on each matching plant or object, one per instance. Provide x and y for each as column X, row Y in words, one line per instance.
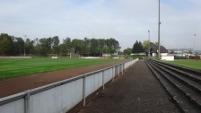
column 6, row 44
column 29, row 46
column 62, row 49
column 172, row 52
column 94, row 47
column 44, row 46
column 190, row 52
column 68, row 44
column 65, row 47
column 85, row 47
column 10, row 45
column 137, row 47
column 101, row 44
column 76, row 45
column 20, row 45
column 146, row 44
column 127, row 51
column 55, row 45
column 37, row 47
column 112, row 45
column 141, row 49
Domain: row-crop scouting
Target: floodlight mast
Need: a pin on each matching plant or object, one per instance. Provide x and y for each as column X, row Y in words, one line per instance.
column 24, row 44
column 194, row 43
column 159, row 22
column 149, row 41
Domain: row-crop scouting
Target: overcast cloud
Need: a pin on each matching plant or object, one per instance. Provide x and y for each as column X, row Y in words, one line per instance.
column 124, row 20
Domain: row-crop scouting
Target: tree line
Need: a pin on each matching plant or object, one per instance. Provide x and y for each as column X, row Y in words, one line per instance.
column 10, row 45
column 139, row 47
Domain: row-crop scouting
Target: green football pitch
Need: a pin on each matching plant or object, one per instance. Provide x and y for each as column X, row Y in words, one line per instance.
column 194, row 64
column 10, row 68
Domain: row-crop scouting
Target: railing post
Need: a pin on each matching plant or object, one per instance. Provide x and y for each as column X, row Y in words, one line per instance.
column 84, row 90
column 115, row 71
column 124, row 66
column 113, row 75
column 118, row 71
column 103, row 84
column 26, row 102
column 122, row 69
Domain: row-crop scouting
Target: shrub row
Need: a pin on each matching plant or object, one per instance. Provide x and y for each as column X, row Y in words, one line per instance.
column 194, row 57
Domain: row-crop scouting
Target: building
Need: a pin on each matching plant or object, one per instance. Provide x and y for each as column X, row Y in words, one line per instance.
column 154, row 50
column 164, row 53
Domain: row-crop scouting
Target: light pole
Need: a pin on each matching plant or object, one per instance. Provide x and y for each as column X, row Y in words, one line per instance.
column 149, row 41
column 194, row 43
column 24, row 43
column 159, row 22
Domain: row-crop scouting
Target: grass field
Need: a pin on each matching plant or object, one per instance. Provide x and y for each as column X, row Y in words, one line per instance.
column 195, row 64
column 10, row 68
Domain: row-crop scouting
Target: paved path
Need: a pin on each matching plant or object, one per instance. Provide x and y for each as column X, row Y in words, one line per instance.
column 137, row 91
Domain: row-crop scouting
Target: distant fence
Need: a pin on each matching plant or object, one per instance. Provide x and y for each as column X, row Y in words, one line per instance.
column 15, row 56
column 195, row 57
column 61, row 96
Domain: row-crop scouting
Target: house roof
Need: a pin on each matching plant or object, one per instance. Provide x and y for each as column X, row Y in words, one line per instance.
column 154, row 49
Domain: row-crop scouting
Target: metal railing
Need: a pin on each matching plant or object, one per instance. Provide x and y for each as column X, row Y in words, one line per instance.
column 61, row 96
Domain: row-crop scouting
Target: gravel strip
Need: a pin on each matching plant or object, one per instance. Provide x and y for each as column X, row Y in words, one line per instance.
column 137, row 91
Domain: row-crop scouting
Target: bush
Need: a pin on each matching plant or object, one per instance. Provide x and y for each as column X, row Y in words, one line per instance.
column 180, row 57
column 194, row 57
column 138, row 56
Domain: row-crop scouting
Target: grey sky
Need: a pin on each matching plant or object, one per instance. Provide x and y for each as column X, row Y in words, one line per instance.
column 124, row 20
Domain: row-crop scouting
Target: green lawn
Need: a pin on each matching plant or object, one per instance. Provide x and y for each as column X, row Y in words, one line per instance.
column 10, row 68
column 195, row 64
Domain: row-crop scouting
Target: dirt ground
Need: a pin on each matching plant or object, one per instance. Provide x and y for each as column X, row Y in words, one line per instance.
column 20, row 84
